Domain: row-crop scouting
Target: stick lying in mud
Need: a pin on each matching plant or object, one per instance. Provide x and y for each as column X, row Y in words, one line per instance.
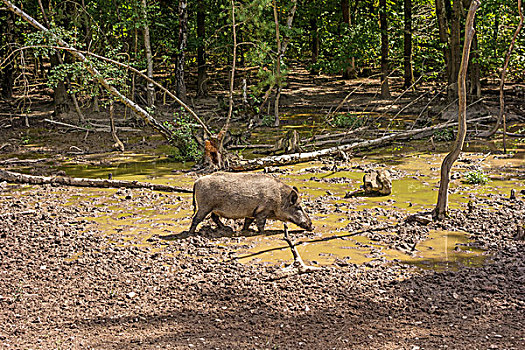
column 13, row 177
column 297, row 260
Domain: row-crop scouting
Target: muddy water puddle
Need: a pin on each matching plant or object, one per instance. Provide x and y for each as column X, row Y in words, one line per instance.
column 342, row 223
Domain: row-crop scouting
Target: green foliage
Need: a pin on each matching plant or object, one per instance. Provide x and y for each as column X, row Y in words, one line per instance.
column 475, row 178
column 268, row 120
column 44, row 43
column 444, row 135
column 347, row 121
column 360, row 42
column 187, row 148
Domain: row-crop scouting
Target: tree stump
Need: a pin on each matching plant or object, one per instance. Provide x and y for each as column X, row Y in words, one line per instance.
column 377, row 182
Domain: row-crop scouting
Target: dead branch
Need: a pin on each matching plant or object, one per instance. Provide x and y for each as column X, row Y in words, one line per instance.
column 13, row 177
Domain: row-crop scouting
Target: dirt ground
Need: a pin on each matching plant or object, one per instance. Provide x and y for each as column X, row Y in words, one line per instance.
column 115, row 295
column 66, row 284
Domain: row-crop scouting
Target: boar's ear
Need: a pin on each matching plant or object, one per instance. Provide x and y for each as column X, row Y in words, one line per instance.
column 294, row 197
column 296, row 189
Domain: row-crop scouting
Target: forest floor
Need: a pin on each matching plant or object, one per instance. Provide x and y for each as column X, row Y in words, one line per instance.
column 67, row 283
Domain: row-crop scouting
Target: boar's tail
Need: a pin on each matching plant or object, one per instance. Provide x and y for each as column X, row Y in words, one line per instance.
column 194, row 206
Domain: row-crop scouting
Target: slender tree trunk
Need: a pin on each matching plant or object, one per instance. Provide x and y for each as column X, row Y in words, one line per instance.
column 442, row 21
column 314, row 34
column 501, row 114
column 183, row 40
column 385, row 69
column 407, row 59
column 219, row 141
column 281, row 50
column 133, row 74
column 149, row 55
column 67, row 84
column 7, row 72
column 277, row 65
column 475, row 83
column 495, row 33
column 202, row 86
column 455, row 48
column 118, row 144
column 60, row 98
column 442, row 201
column 349, row 71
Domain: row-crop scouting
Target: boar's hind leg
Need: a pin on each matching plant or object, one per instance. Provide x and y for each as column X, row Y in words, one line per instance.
column 217, row 220
column 247, row 223
column 197, row 218
column 260, row 221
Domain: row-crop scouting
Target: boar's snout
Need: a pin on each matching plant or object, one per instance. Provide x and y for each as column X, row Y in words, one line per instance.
column 303, row 221
column 307, row 225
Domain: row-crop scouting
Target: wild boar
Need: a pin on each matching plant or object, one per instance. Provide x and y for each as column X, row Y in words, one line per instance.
column 250, row 196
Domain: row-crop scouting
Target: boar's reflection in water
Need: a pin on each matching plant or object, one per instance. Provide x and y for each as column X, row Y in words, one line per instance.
column 250, row 196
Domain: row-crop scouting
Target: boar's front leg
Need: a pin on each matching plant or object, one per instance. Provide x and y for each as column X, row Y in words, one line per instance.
column 247, row 223
column 260, row 221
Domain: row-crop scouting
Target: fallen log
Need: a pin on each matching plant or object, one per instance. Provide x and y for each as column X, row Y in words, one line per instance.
column 295, row 158
column 13, row 177
column 13, row 161
column 336, row 141
column 250, row 146
column 334, row 136
column 99, row 127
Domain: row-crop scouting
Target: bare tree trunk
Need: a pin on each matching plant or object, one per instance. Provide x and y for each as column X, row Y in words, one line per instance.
column 277, row 65
column 385, row 70
column 475, row 83
column 62, row 87
column 149, row 55
column 118, row 144
column 314, row 34
column 183, row 40
column 7, row 72
column 226, row 126
column 501, row 114
column 349, row 71
column 281, row 50
column 455, row 49
column 202, row 85
column 442, row 202
column 407, row 59
column 442, row 21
